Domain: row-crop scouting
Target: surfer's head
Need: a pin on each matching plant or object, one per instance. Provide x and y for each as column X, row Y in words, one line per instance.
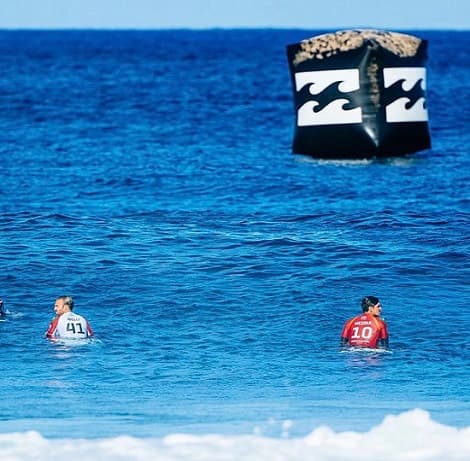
column 63, row 304
column 369, row 301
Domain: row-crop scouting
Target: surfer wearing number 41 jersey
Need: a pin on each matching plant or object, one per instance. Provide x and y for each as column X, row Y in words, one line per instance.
column 68, row 324
column 368, row 329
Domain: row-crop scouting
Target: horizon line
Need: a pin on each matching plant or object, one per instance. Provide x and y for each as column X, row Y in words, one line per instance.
column 213, row 28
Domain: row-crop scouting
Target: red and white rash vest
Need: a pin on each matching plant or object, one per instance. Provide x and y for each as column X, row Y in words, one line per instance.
column 69, row 326
column 365, row 330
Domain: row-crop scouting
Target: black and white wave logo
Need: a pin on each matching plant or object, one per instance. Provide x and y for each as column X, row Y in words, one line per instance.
column 405, row 94
column 331, row 104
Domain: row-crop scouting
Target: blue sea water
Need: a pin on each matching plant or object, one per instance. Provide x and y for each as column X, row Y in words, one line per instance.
column 150, row 175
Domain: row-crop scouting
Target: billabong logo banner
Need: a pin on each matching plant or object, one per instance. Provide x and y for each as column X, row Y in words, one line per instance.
column 359, row 94
column 329, row 103
column 408, row 86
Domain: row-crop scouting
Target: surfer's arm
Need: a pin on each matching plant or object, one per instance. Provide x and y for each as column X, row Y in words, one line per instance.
column 89, row 330
column 52, row 328
column 383, row 343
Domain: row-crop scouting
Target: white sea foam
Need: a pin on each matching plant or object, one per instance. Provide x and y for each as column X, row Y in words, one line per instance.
column 334, row 162
column 410, row 436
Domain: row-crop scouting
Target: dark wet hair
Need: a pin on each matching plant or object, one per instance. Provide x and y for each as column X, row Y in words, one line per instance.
column 368, row 301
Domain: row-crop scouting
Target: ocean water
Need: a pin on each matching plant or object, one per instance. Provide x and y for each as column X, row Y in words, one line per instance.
column 150, row 176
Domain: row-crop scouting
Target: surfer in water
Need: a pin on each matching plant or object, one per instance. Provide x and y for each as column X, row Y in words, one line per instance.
column 67, row 324
column 2, row 309
column 367, row 329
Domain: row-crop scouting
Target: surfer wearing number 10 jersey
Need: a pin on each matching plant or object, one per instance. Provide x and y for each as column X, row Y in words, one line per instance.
column 368, row 329
column 68, row 324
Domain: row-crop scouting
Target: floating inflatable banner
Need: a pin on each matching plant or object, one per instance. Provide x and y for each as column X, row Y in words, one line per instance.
column 359, row 94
